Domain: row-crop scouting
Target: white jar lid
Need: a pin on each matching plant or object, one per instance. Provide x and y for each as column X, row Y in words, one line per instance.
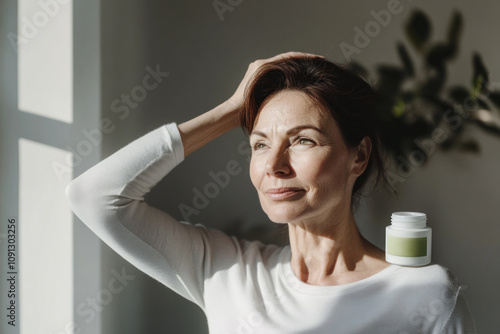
column 409, row 219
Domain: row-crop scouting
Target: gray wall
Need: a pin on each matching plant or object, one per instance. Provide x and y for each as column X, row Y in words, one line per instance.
column 206, row 57
column 16, row 124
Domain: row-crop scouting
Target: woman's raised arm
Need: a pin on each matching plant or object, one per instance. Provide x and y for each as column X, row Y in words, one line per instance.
column 110, row 199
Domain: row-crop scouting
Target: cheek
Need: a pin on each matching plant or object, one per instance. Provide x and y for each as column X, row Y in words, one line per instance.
column 326, row 176
column 255, row 173
column 312, row 168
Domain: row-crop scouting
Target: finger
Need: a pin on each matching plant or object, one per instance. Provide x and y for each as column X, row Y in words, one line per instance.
column 293, row 54
column 302, row 54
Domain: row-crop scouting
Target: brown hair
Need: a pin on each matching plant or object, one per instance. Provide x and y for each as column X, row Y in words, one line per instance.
column 349, row 99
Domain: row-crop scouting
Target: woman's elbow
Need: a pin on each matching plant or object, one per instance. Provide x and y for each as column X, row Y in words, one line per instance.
column 82, row 198
column 73, row 193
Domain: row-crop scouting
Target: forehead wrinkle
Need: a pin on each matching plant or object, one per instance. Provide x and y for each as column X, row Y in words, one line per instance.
column 291, row 131
column 282, row 114
column 299, row 128
column 258, row 133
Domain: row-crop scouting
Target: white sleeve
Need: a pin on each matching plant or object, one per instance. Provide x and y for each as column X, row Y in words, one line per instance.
column 109, row 199
column 460, row 320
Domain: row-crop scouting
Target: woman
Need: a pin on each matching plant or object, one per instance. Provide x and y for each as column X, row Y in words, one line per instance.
column 311, row 130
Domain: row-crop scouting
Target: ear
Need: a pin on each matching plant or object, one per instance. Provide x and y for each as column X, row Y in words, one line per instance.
column 361, row 156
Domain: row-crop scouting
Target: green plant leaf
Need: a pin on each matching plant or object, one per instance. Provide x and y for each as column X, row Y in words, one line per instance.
column 454, row 32
column 391, row 78
column 455, row 28
column 399, row 108
column 439, row 108
column 405, row 58
column 495, row 98
column 418, row 29
column 480, row 76
column 438, row 55
column 482, row 104
column 458, row 94
column 435, row 83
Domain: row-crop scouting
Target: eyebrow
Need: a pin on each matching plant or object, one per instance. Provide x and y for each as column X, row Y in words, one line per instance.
column 291, row 131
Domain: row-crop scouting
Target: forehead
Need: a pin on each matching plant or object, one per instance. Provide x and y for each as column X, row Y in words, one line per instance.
column 290, row 108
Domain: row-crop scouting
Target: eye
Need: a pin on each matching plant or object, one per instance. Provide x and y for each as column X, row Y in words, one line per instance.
column 305, row 141
column 258, row 146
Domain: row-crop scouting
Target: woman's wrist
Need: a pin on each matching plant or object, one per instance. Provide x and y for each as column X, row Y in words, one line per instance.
column 227, row 112
column 202, row 129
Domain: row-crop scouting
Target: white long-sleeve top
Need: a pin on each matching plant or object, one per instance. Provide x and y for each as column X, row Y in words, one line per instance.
column 246, row 286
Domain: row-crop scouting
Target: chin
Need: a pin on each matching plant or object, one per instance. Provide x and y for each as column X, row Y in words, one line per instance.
column 282, row 215
column 277, row 221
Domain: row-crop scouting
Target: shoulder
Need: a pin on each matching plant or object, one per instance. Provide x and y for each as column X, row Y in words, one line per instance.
column 256, row 251
column 430, row 276
column 430, row 287
column 436, row 298
column 432, row 291
column 230, row 249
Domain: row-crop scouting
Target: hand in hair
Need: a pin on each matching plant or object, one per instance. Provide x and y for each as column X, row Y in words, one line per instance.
column 238, row 97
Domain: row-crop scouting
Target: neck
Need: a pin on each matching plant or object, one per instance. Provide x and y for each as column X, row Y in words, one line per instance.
column 334, row 254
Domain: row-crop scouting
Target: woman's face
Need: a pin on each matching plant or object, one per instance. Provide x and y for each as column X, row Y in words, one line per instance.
column 300, row 165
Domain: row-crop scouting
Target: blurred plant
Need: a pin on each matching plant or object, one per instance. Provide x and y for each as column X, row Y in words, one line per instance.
column 414, row 103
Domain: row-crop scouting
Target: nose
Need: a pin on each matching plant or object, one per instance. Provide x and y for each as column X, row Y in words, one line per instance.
column 278, row 164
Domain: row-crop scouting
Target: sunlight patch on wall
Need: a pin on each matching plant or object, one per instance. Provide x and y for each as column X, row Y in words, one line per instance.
column 45, row 58
column 46, row 241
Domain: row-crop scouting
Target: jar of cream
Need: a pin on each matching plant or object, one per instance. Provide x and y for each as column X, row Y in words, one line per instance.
column 408, row 240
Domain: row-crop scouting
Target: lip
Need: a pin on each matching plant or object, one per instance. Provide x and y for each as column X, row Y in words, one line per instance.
column 282, row 193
